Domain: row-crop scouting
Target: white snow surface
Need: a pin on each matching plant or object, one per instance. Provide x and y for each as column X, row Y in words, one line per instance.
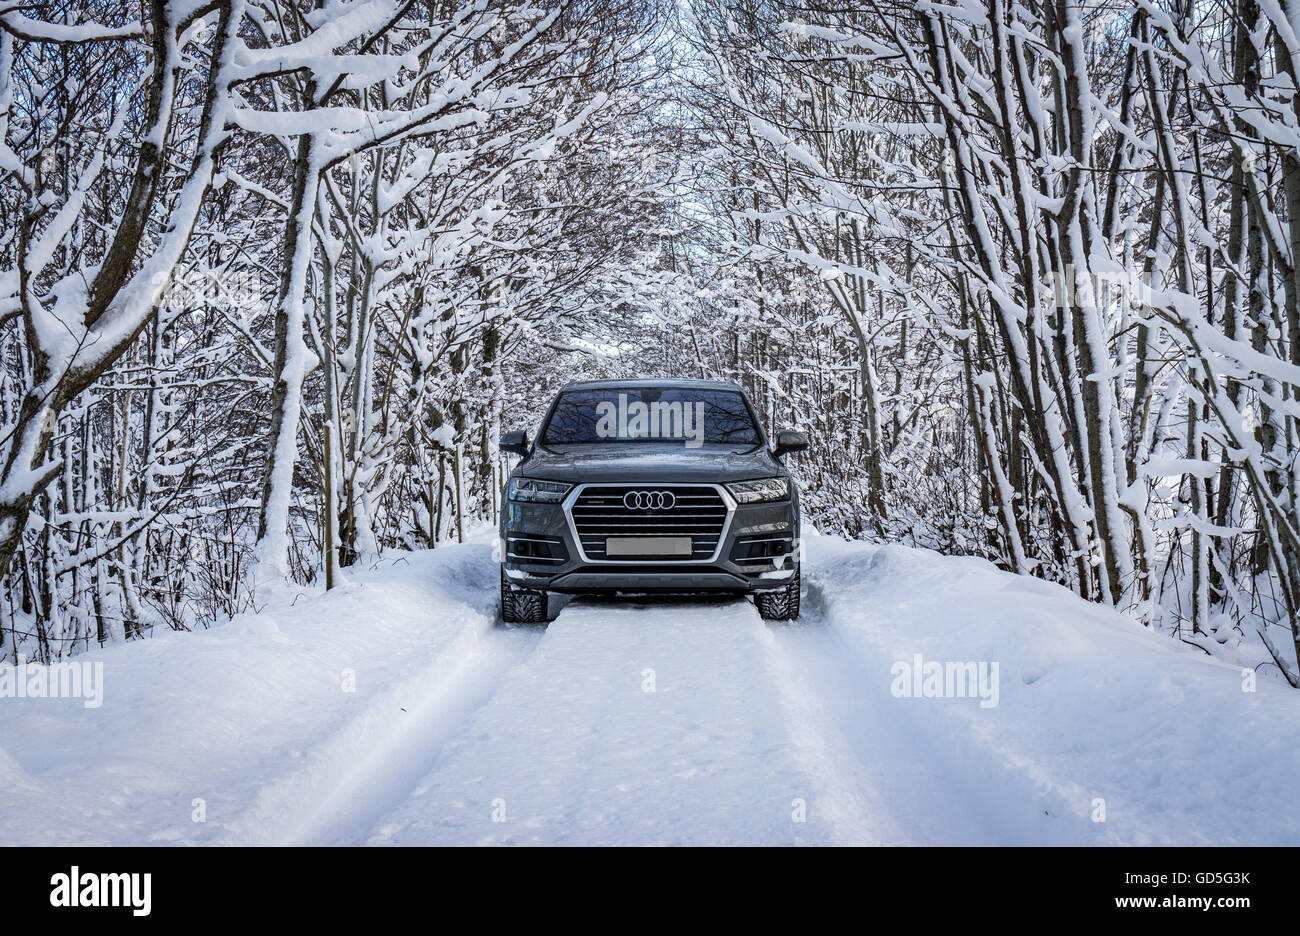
column 461, row 731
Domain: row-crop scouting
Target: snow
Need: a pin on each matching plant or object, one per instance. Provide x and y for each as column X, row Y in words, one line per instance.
column 273, row 546
column 41, row 31
column 669, row 722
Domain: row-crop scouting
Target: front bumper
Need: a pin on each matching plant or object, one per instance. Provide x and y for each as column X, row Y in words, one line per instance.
column 756, row 552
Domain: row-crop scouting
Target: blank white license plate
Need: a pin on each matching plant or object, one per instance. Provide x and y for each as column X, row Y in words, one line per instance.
column 648, row 546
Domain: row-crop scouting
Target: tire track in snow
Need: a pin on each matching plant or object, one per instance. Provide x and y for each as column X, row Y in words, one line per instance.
column 575, row 748
column 380, row 754
column 880, row 780
column 843, row 794
column 946, row 780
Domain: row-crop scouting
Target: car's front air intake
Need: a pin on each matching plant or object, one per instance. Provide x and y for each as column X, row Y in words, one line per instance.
column 660, row 517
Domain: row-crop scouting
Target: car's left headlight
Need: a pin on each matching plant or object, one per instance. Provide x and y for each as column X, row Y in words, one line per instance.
column 537, row 491
column 764, row 489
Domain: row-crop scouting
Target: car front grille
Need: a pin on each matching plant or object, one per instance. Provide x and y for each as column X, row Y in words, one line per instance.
column 698, row 510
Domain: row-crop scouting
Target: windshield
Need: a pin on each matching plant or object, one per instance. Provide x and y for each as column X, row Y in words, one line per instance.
column 651, row 414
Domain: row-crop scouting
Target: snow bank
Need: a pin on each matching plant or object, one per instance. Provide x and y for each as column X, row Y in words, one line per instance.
column 1092, row 707
column 248, row 727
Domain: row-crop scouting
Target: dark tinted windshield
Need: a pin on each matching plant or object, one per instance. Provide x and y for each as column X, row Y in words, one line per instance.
column 651, row 414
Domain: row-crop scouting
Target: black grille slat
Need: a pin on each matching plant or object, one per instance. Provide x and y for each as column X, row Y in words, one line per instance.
column 699, row 512
column 622, row 526
column 624, row 515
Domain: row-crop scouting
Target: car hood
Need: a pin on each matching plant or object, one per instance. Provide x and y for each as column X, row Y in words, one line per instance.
column 648, row 462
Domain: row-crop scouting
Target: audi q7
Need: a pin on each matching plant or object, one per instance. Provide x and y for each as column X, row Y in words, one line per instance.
column 650, row 487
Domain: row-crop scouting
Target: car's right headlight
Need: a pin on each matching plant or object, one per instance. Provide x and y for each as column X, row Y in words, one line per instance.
column 538, row 492
column 764, row 489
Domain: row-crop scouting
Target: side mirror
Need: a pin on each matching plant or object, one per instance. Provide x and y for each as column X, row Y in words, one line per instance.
column 515, row 442
column 787, row 440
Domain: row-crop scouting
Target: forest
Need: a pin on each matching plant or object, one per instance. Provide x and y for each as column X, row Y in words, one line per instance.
column 275, row 275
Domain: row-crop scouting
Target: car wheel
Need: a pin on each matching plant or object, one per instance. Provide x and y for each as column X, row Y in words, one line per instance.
column 781, row 604
column 522, row 605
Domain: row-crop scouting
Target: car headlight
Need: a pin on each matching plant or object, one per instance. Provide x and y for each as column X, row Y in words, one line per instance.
column 764, row 489
column 539, row 492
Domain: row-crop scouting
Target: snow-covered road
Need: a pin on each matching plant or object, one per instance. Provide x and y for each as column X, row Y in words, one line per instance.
column 396, row 711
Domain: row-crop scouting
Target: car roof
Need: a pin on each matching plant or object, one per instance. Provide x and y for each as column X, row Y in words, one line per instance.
column 652, row 382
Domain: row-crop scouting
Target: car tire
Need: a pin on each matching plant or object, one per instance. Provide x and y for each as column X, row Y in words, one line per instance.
column 522, row 605
column 781, row 604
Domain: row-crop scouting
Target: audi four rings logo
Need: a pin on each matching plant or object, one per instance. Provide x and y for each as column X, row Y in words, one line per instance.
column 649, row 500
